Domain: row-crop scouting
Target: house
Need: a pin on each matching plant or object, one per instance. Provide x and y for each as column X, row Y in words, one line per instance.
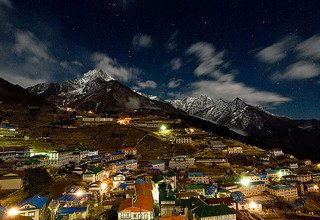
column 10, row 181
column 116, row 155
column 311, row 187
column 285, row 192
column 229, row 201
column 131, row 164
column 198, row 188
column 158, row 164
column 168, row 202
column 183, row 140
column 130, row 151
column 14, row 152
column 181, row 162
column 59, row 158
column 306, row 162
column 33, row 207
column 198, row 177
column 235, row 150
column 88, row 153
column 276, row 152
column 138, row 207
column 118, row 165
column 118, row 179
column 202, row 211
column 95, row 174
column 253, row 188
column 72, row 213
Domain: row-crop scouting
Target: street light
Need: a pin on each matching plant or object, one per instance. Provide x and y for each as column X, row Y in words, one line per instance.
column 253, row 205
column 103, row 186
column 79, row 193
column 163, row 128
column 13, row 212
column 245, row 182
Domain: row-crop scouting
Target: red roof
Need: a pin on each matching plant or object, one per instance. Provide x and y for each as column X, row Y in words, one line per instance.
column 142, row 202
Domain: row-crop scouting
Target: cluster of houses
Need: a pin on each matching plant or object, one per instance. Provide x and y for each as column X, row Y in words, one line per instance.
column 169, row 188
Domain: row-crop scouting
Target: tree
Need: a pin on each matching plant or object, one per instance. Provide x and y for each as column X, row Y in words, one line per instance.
column 36, row 181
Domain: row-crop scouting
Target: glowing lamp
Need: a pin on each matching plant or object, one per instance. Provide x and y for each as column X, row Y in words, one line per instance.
column 163, row 127
column 13, row 212
column 253, row 205
column 245, row 182
column 103, row 186
column 79, row 193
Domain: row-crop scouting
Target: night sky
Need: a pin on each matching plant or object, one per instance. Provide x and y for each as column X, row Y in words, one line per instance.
column 266, row 53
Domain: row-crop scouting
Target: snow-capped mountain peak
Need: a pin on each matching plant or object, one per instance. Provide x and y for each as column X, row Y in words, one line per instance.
column 94, row 74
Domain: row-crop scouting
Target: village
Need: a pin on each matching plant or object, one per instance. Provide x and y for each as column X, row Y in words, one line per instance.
column 210, row 178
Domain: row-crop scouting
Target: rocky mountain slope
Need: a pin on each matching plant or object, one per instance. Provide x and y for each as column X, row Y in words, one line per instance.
column 97, row 91
column 301, row 138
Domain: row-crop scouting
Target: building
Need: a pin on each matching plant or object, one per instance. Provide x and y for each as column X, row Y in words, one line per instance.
column 138, row 207
column 130, row 151
column 285, row 192
column 59, row 158
column 235, row 150
column 197, row 188
column 118, row 179
column 183, row 140
column 14, row 152
column 311, row 187
column 253, row 188
column 72, row 213
column 158, row 164
column 10, row 181
column 88, row 153
column 94, row 174
column 198, row 177
column 116, row 155
column 276, row 152
column 202, row 211
column 131, row 164
column 33, row 207
column 181, row 162
column 229, row 201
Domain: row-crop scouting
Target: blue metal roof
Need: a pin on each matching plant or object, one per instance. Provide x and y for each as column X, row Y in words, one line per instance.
column 122, row 186
column 37, row 201
column 195, row 174
column 70, row 210
column 281, row 187
column 157, row 162
column 116, row 153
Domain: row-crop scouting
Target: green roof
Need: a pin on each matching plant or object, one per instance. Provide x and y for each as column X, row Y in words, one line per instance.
column 170, row 173
column 194, row 186
column 204, row 210
column 156, row 179
column 96, row 170
column 164, row 195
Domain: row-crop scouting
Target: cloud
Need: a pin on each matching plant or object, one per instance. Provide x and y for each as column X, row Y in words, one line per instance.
column 276, row 52
column 310, row 48
column 171, row 43
column 141, row 41
column 147, row 84
column 27, row 42
column 210, row 61
column 24, row 81
column 6, row 3
column 228, row 90
column 222, row 84
column 174, row 83
column 298, row 71
column 176, row 63
column 112, row 67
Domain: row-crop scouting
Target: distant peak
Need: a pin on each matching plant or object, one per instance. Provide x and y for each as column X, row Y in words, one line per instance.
column 94, row 74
